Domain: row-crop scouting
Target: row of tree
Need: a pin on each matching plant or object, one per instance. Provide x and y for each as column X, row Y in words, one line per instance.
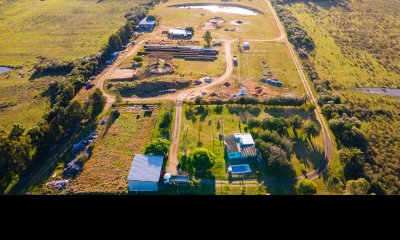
column 346, row 128
column 273, row 101
column 22, row 149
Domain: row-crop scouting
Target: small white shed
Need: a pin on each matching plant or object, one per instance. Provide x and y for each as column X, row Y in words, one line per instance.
column 144, row 174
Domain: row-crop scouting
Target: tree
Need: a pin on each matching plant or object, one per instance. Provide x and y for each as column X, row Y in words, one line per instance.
column 158, row 146
column 295, row 122
column 353, row 162
column 208, row 38
column 118, row 97
column 310, row 108
column 227, row 188
column 306, row 187
column 335, row 185
column 190, row 29
column 261, row 188
column 115, row 43
column 253, row 123
column 151, row 18
column 195, row 184
column 243, row 190
column 310, row 128
column 357, row 187
column 16, row 132
column 275, row 158
column 201, row 159
column 97, row 102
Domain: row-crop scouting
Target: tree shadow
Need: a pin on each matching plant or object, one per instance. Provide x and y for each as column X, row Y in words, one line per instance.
column 238, row 110
column 308, row 154
column 110, row 121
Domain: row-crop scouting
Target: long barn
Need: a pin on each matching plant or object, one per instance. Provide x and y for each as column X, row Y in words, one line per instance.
column 144, row 174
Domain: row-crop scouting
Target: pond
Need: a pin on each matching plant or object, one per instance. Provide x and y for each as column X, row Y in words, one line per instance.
column 222, row 9
column 4, row 69
column 394, row 92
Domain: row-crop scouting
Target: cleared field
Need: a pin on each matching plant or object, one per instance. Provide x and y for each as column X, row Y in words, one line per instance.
column 21, row 100
column 57, row 29
column 108, row 168
column 192, row 70
column 203, row 127
column 350, row 55
column 250, row 69
column 261, row 26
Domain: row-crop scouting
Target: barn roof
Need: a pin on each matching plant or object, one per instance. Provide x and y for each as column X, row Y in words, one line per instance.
column 146, row 168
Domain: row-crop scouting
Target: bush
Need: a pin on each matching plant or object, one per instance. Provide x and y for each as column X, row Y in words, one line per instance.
column 200, row 160
column 138, row 59
column 158, row 146
column 306, row 187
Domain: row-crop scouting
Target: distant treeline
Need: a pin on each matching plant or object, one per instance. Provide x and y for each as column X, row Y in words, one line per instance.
column 352, row 142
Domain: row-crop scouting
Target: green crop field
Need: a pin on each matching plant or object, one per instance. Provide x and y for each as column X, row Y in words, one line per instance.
column 57, row 29
column 357, row 45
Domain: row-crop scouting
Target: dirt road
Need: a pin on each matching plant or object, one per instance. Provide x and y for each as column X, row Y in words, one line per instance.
column 328, row 143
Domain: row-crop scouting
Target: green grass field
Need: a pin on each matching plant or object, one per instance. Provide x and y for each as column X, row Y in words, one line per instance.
column 201, row 128
column 261, row 26
column 57, row 29
column 108, row 168
column 26, row 104
column 345, row 63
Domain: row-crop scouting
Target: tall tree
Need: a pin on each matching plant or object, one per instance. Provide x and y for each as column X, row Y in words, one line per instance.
column 310, row 128
column 296, row 123
column 208, row 38
column 353, row 162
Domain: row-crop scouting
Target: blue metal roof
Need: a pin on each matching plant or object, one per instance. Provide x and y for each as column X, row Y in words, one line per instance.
column 144, row 21
column 146, row 168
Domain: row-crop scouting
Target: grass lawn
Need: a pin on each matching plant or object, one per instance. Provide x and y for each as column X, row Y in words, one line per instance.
column 261, row 26
column 201, row 128
column 107, row 169
column 23, row 96
column 57, row 29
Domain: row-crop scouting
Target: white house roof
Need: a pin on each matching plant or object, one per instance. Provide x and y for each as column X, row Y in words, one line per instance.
column 246, row 138
column 146, row 168
column 182, row 32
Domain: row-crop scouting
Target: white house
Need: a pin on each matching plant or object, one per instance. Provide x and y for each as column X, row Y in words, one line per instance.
column 144, row 174
column 240, row 145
